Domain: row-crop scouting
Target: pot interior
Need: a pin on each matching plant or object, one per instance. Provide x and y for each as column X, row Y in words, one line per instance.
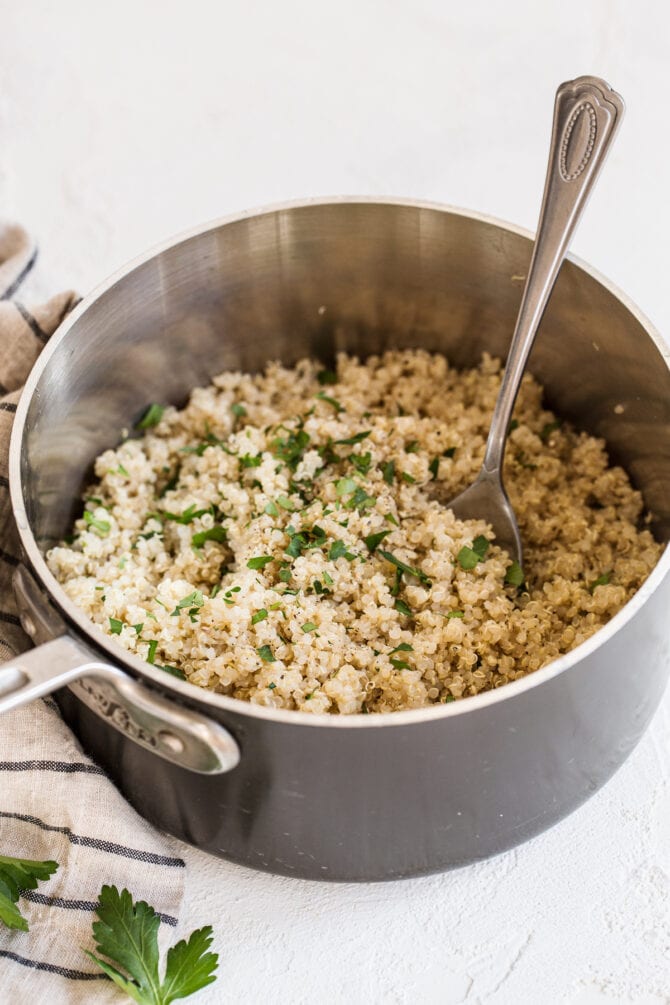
column 319, row 278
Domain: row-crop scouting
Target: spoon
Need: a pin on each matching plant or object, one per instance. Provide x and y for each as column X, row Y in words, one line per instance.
column 587, row 114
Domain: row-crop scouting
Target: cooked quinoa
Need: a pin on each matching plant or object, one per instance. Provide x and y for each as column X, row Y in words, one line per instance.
column 277, row 540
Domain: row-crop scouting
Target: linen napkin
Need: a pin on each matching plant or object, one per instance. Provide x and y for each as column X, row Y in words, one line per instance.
column 55, row 803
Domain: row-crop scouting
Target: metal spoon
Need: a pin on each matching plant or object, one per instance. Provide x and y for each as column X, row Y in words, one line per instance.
column 587, row 114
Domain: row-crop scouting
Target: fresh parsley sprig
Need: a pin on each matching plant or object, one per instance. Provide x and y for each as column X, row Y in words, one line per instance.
column 17, row 874
column 127, row 935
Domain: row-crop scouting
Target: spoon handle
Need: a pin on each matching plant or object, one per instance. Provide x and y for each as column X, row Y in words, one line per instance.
column 587, row 114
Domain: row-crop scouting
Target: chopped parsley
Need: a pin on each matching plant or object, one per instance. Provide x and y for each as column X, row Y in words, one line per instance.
column 238, row 410
column 338, row 549
column 515, row 575
column 271, row 686
column 266, row 654
column 151, row 654
column 361, row 462
column 174, row 671
column 374, row 540
column 412, row 447
column 151, row 417
column 271, row 509
column 416, row 573
column 259, row 616
column 308, row 627
column 333, row 402
column 548, row 429
column 345, row 487
column 285, row 503
column 400, row 664
column 468, row 558
column 402, row 608
column 115, row 626
column 216, row 533
column 259, row 562
column 434, row 466
column 404, row 647
column 192, row 603
column 391, row 519
column 454, row 614
column 600, row 581
column 449, row 452
column 327, row 579
column 408, row 478
column 480, row 545
column 103, row 527
column 388, row 472
column 190, row 514
column 326, row 377
column 250, row 460
column 352, row 440
column 291, row 448
column 360, row 500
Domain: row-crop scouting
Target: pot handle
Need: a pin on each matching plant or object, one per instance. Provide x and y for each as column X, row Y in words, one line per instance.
column 177, row 734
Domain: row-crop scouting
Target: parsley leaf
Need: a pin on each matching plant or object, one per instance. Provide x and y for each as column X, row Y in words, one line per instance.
column 480, row 545
column 468, row 558
column 259, row 562
column 388, row 472
column 322, row 396
column 115, row 626
column 16, row 875
column 358, row 438
column 213, row 534
column 266, row 654
column 514, row 575
column 238, row 410
column 600, row 581
column 417, row 573
column 374, row 540
column 326, row 377
column 309, row 626
column 404, row 647
column 103, row 527
column 338, row 549
column 151, row 417
column 193, row 601
column 548, row 429
column 402, row 608
column 127, row 934
column 260, row 615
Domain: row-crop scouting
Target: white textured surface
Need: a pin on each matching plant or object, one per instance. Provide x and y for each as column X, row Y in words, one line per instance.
column 122, row 123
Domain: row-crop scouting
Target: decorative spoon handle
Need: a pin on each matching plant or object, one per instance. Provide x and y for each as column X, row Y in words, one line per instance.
column 587, row 114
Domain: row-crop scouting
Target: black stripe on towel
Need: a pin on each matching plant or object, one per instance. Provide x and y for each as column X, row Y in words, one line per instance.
column 4, row 482
column 88, row 842
column 10, row 619
column 78, row 905
column 6, row 406
column 32, row 322
column 66, row 767
column 51, row 968
column 9, row 559
column 14, row 285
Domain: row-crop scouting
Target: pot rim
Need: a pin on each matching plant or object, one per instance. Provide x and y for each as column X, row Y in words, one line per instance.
column 192, row 693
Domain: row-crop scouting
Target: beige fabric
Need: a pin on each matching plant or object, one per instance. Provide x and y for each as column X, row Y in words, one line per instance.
column 54, row 802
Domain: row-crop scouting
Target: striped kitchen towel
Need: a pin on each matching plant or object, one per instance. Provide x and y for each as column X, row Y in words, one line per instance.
column 54, row 802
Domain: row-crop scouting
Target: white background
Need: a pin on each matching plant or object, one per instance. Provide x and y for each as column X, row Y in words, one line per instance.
column 121, row 123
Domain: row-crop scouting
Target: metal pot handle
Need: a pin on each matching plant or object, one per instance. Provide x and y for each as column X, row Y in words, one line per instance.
column 180, row 735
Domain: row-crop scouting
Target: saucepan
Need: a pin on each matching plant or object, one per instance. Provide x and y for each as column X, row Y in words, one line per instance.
column 339, row 797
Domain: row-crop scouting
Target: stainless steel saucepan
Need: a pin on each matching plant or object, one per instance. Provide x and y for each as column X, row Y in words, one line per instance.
column 339, row 797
